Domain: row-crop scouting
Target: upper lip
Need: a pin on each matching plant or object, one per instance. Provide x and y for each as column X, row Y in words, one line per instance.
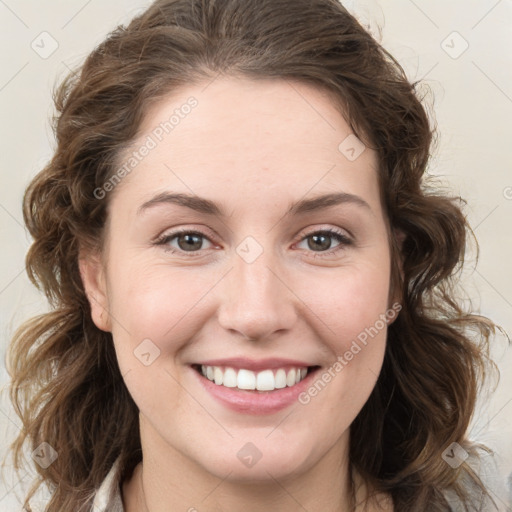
column 255, row 365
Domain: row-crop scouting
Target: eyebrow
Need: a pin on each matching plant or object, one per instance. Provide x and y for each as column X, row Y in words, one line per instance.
column 208, row 207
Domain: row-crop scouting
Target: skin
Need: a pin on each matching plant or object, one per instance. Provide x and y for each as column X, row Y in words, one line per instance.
column 254, row 147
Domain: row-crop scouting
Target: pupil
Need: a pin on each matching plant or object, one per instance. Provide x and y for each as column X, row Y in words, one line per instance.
column 325, row 245
column 322, row 242
column 190, row 244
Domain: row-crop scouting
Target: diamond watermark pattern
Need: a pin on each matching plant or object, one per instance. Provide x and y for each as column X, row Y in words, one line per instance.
column 45, row 45
column 249, row 249
column 146, row 352
column 249, row 455
column 455, row 455
column 351, row 147
column 44, row 455
column 454, row 45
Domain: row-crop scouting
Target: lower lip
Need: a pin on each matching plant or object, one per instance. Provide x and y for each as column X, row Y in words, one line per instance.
column 256, row 402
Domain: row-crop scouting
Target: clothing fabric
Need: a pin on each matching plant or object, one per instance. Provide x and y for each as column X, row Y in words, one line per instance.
column 108, row 496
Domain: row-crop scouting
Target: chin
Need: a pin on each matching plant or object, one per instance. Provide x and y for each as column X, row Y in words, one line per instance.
column 248, row 464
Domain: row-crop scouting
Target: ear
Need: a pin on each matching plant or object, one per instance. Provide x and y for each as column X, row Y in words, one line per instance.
column 400, row 237
column 92, row 273
column 395, row 297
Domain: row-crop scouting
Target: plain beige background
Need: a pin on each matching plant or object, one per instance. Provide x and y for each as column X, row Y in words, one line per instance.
column 460, row 49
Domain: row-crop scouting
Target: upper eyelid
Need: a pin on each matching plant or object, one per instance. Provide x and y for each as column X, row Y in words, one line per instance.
column 303, row 234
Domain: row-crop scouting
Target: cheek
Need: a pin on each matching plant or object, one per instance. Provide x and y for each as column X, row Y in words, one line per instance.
column 156, row 302
column 165, row 303
column 352, row 305
column 348, row 301
column 156, row 311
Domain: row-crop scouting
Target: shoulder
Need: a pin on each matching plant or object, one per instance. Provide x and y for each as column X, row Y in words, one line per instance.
column 484, row 464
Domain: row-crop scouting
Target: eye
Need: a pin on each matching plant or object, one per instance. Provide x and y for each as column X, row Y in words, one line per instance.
column 189, row 241
column 321, row 241
column 186, row 240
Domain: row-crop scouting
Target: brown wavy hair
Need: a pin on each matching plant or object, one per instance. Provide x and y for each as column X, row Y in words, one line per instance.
column 66, row 385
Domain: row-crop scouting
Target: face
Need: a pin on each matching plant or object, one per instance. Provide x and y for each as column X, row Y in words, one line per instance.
column 252, row 284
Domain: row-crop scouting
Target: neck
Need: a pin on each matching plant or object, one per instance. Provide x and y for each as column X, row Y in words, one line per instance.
column 170, row 481
column 233, row 497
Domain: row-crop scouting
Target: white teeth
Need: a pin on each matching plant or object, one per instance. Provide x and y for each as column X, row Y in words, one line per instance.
column 290, row 378
column 281, row 378
column 230, row 379
column 217, row 375
column 246, row 380
column 266, row 380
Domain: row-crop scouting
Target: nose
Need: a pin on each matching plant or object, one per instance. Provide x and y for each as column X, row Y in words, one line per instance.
column 256, row 302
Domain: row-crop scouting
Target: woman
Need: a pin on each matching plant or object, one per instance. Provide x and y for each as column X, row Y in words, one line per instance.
column 252, row 285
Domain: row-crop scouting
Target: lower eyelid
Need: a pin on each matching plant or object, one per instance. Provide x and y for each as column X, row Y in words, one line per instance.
column 167, row 239
column 342, row 239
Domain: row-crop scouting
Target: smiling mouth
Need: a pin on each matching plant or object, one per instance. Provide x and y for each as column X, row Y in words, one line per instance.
column 248, row 380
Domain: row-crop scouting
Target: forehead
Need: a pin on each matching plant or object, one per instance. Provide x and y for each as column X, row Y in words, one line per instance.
column 245, row 138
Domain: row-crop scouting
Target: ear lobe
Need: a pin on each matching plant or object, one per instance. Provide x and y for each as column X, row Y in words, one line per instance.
column 93, row 279
column 397, row 269
column 399, row 237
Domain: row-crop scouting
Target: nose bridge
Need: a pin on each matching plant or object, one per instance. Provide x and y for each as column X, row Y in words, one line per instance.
column 255, row 301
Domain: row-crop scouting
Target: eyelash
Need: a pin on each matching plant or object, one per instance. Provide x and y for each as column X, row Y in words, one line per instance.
column 343, row 240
